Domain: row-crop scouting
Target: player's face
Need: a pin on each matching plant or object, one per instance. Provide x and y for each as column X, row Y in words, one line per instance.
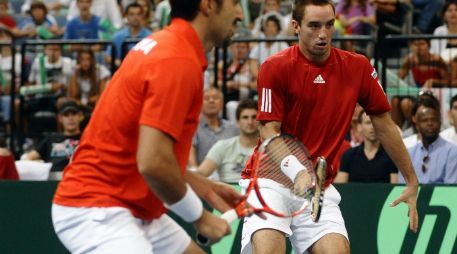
column 222, row 21
column 428, row 123
column 247, row 123
column 368, row 131
column 453, row 114
column 315, row 32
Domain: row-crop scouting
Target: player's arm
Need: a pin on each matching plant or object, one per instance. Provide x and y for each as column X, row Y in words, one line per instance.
column 391, row 140
column 219, row 195
column 207, row 167
column 341, row 177
column 192, row 158
column 159, row 167
column 269, row 129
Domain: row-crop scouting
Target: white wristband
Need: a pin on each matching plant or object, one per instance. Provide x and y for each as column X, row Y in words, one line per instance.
column 290, row 166
column 189, row 208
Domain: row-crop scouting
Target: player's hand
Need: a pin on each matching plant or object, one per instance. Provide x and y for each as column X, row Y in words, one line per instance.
column 212, row 227
column 222, row 197
column 302, row 183
column 409, row 196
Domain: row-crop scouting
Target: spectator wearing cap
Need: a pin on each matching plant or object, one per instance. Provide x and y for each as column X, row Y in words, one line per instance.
column 58, row 148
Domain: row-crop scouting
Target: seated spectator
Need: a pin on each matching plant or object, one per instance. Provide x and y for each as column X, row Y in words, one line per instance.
column 50, row 73
column 7, row 163
column 133, row 30
column 6, row 77
column 7, row 22
column 428, row 69
column 84, row 26
column 58, row 148
column 271, row 28
column 147, row 20
column 447, row 49
column 212, row 127
column 356, row 16
column 89, row 79
column 434, row 159
column 450, row 134
column 107, row 10
column 228, row 156
column 270, row 7
column 40, row 24
column 367, row 162
column 56, row 7
column 241, row 78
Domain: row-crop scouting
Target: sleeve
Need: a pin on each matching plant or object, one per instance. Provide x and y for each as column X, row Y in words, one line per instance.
column 169, row 98
column 216, row 153
column 372, row 96
column 254, row 54
column 271, row 94
column 346, row 161
column 370, row 9
column 72, row 11
column 68, row 31
column 435, row 44
column 450, row 176
column 33, row 76
column 103, row 72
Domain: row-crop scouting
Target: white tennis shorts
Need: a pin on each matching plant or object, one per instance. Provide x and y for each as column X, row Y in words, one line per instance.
column 301, row 230
column 114, row 230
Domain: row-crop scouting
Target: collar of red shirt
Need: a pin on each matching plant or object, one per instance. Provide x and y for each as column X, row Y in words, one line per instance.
column 183, row 27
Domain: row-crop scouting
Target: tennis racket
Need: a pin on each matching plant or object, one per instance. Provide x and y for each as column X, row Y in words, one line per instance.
column 274, row 169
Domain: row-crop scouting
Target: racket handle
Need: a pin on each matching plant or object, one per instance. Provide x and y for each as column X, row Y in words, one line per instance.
column 229, row 216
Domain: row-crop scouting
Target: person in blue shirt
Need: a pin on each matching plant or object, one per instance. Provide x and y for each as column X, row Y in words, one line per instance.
column 84, row 26
column 133, row 30
column 434, row 159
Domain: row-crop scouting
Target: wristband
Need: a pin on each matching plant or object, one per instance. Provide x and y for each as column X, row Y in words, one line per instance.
column 189, row 208
column 290, row 166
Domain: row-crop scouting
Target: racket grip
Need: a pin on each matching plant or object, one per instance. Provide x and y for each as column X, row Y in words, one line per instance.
column 229, row 216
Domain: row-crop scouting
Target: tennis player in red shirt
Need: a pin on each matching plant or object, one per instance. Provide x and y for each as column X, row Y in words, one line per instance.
column 310, row 91
column 130, row 165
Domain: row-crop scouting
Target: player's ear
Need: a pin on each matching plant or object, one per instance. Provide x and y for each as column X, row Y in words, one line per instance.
column 296, row 26
column 206, row 7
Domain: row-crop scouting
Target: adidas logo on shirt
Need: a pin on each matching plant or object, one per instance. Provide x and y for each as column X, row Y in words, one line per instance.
column 319, row 80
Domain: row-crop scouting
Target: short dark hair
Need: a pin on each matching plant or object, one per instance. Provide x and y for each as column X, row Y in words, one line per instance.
column 274, row 19
column 39, row 5
column 133, row 5
column 245, row 104
column 300, row 5
column 360, row 116
column 188, row 9
column 446, row 6
column 428, row 100
column 453, row 99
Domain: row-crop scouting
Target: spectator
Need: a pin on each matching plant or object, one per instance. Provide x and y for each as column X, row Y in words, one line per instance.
column 271, row 29
column 450, row 134
column 5, row 75
column 428, row 69
column 58, row 148
column 7, row 166
column 147, row 21
column 212, row 127
column 89, row 79
column 7, row 22
column 444, row 47
column 40, row 24
column 356, row 16
column 270, row 7
column 367, row 162
column 228, row 156
column 133, row 30
column 51, row 72
column 434, row 159
column 107, row 10
column 241, row 78
column 84, row 26
column 56, row 7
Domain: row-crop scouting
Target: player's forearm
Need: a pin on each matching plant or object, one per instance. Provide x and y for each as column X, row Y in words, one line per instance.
column 269, row 129
column 390, row 138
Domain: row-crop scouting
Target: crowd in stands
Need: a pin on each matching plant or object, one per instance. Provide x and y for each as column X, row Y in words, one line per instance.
column 58, row 85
